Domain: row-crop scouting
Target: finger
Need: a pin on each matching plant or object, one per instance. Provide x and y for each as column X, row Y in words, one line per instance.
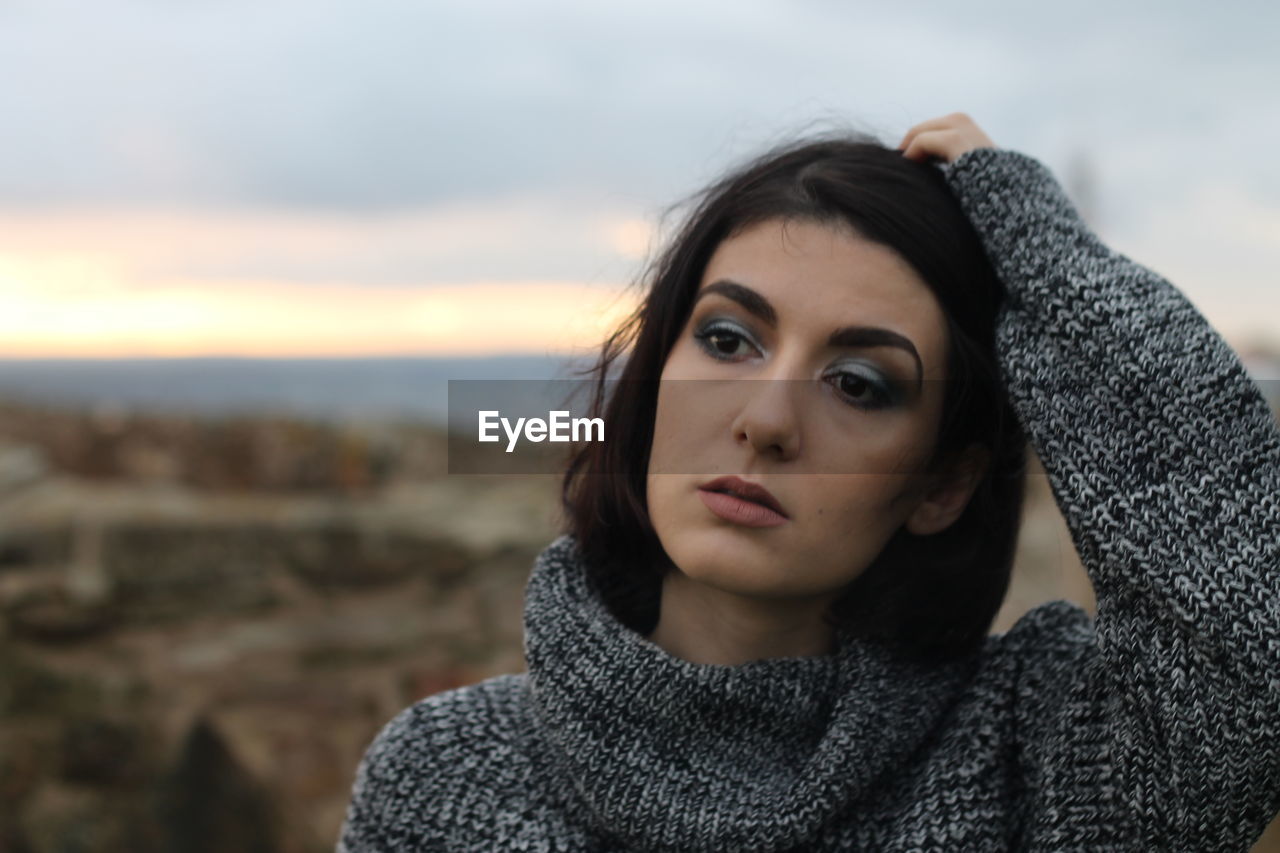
column 918, row 151
column 950, row 121
column 946, row 122
column 931, row 144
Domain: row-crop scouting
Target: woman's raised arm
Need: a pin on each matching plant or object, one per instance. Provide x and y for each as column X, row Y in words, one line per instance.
column 1164, row 459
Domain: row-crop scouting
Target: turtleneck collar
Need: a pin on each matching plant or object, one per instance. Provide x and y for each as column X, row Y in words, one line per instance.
column 672, row 755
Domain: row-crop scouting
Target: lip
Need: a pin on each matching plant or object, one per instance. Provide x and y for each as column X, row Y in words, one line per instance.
column 740, row 511
column 739, row 491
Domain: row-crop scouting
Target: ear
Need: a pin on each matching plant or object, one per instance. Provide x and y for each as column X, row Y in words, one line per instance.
column 947, row 495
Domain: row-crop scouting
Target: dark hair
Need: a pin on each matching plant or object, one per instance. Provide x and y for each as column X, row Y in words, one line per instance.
column 929, row 596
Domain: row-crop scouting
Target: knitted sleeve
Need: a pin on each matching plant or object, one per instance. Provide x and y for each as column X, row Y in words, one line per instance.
column 1164, row 459
column 381, row 817
column 438, row 776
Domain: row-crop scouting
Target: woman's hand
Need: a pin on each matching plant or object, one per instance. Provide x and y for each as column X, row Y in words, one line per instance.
column 943, row 139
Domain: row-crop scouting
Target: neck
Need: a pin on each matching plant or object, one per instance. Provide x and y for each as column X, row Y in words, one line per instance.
column 702, row 624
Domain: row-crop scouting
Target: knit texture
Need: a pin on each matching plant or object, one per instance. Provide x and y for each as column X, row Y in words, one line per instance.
column 1158, row 728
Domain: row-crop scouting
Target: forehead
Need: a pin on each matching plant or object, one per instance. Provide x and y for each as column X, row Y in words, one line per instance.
column 819, row 277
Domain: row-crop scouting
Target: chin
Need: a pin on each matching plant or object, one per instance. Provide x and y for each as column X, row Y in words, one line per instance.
column 728, row 560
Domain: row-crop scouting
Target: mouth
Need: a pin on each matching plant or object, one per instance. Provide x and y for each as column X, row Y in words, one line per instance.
column 744, row 491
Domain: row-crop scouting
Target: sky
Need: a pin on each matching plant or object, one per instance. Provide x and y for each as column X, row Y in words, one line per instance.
column 392, row 177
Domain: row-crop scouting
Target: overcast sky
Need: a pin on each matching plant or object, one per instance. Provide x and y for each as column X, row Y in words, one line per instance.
column 224, row 154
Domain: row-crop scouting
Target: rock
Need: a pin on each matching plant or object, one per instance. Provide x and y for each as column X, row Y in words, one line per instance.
column 97, row 750
column 28, row 688
column 47, row 544
column 61, row 819
column 20, row 465
column 208, row 803
column 167, row 571
column 26, row 748
column 345, row 556
column 54, row 614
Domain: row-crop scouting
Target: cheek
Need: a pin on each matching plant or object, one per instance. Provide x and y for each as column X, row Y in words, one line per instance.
column 672, row 448
column 879, row 447
column 855, row 503
column 690, row 415
column 665, row 441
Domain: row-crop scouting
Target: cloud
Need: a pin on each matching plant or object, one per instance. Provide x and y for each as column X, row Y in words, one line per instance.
column 342, row 105
column 514, row 239
column 337, row 105
column 408, row 145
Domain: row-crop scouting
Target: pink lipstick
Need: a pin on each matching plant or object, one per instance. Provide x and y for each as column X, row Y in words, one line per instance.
column 748, row 504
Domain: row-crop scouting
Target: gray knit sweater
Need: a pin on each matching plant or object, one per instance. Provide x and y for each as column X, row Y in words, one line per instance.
column 1157, row 728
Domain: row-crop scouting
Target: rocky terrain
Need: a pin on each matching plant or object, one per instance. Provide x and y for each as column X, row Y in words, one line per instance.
column 204, row 622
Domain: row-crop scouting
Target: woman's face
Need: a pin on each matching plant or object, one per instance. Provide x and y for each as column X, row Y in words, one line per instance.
column 850, row 341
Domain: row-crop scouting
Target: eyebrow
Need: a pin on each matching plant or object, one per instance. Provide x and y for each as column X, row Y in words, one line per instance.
column 846, row 336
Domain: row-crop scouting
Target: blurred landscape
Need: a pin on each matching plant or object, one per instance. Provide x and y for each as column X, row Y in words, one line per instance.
column 205, row 618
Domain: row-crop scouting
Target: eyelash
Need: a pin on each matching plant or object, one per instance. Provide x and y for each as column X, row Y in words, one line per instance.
column 882, row 396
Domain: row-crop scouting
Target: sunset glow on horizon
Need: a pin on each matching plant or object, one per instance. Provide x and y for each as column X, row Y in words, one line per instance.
column 278, row 320
column 161, row 286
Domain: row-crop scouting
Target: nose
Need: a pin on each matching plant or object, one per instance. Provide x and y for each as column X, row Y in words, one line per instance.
column 768, row 420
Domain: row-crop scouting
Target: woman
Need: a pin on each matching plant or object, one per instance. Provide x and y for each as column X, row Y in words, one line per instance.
column 767, row 631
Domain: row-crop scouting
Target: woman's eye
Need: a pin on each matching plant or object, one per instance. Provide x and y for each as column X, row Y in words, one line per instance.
column 723, row 343
column 860, row 390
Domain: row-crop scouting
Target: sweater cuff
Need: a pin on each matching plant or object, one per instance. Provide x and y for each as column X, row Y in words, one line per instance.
column 998, row 187
column 981, row 168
